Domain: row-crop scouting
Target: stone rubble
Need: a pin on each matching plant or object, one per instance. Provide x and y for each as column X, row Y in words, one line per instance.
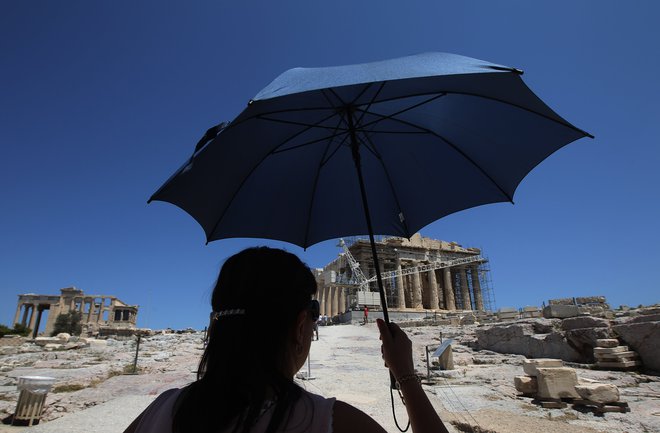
column 347, row 364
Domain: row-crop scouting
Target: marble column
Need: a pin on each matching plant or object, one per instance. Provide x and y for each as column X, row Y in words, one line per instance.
column 26, row 310
column 465, row 289
column 476, row 288
column 91, row 309
column 335, row 301
column 441, row 291
column 326, row 303
column 33, row 316
column 17, row 315
column 407, row 284
column 450, row 302
column 35, row 329
column 342, row 300
column 417, row 289
column 400, row 288
column 321, row 299
column 433, row 290
column 100, row 312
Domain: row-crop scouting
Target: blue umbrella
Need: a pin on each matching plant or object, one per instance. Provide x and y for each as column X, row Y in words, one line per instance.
column 385, row 147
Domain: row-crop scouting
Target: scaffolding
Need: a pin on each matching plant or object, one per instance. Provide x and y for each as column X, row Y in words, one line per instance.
column 485, row 280
column 350, row 274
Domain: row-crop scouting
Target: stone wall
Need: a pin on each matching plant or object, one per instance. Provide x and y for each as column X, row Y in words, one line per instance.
column 573, row 339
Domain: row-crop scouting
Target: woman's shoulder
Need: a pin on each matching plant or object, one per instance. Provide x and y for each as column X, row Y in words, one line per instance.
column 348, row 418
column 155, row 417
column 318, row 399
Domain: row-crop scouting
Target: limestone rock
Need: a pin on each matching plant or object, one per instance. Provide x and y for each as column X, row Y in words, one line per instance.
column 598, row 392
column 607, row 342
column 591, row 300
column 584, row 340
column 97, row 345
column 526, row 384
column 44, row 341
column 161, row 356
column 52, row 346
column 560, row 311
column 643, row 338
column 520, row 339
column 645, row 318
column 617, row 349
column 584, row 322
column 557, row 382
column 468, row 319
column 63, row 336
column 544, row 326
column 530, row 366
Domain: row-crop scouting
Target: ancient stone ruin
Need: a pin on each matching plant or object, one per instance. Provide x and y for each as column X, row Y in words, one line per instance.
column 632, row 336
column 100, row 314
column 419, row 274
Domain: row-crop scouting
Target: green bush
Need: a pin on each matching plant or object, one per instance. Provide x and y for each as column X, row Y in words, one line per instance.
column 4, row 330
column 21, row 330
column 18, row 329
column 69, row 323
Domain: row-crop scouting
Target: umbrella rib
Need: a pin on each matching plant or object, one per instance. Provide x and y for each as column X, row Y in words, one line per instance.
column 391, row 116
column 215, row 226
column 342, row 120
column 327, row 98
column 341, row 143
column 476, row 95
column 309, row 125
column 366, row 109
column 274, row 151
column 561, row 122
column 412, row 95
column 297, row 146
column 389, row 181
column 456, row 148
column 316, row 181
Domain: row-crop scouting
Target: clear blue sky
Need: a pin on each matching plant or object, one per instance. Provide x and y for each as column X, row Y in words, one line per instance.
column 101, row 101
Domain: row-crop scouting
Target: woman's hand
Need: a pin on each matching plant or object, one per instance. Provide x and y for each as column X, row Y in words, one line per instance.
column 396, row 349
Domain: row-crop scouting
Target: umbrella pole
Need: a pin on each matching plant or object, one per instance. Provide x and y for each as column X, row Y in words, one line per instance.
column 358, row 166
column 381, row 290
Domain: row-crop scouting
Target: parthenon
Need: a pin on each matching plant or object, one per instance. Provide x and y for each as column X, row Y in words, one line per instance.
column 418, row 274
column 97, row 310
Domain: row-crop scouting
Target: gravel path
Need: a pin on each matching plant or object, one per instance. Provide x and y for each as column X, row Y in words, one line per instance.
column 110, row 417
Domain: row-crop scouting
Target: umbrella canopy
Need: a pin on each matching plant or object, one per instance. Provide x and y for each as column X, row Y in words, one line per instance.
column 429, row 134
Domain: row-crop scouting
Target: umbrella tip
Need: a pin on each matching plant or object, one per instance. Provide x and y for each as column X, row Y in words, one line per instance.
column 507, row 69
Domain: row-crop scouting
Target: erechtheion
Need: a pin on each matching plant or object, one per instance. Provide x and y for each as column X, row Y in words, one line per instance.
column 97, row 311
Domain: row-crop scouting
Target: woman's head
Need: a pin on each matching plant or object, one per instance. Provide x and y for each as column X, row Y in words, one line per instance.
column 272, row 290
column 256, row 341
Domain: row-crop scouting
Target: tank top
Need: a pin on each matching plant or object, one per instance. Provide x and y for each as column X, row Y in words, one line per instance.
column 311, row 413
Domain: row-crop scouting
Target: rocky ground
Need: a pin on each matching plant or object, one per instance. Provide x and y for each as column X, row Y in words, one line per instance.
column 94, row 390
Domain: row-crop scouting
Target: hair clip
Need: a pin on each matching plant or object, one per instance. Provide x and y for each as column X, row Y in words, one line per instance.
column 215, row 315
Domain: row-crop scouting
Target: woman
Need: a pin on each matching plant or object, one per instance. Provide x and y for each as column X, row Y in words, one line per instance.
column 245, row 377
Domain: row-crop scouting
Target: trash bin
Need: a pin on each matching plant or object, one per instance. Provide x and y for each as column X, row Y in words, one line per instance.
column 33, row 390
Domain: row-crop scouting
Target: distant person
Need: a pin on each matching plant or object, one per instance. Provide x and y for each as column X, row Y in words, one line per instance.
column 366, row 314
column 316, row 328
column 246, row 387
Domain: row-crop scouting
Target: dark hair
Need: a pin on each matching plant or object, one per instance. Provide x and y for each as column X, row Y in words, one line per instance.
column 246, row 354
